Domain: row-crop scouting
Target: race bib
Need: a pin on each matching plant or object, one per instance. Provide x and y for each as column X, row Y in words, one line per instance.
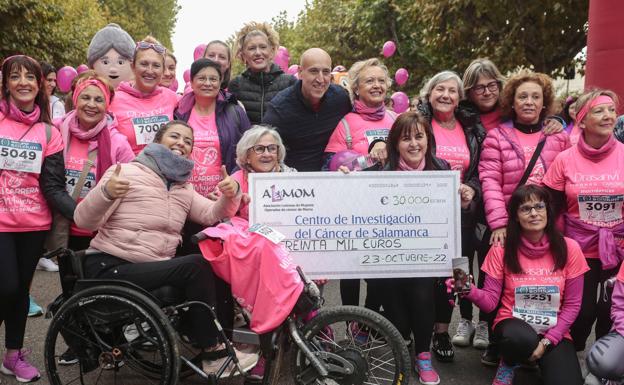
column 145, row 129
column 267, row 232
column 71, row 179
column 375, row 134
column 20, row 156
column 538, row 306
column 600, row 208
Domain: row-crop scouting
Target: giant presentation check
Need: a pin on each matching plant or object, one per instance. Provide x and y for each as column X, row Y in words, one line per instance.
column 363, row 224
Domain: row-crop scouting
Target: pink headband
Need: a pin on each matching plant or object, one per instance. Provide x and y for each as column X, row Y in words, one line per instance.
column 602, row 99
column 91, row 82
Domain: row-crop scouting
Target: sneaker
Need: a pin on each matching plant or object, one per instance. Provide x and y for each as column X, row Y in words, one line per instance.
column 15, row 364
column 490, row 356
column 426, row 373
column 442, row 347
column 34, row 310
column 504, row 374
column 359, row 333
column 464, row 334
column 46, row 264
column 68, row 358
column 481, row 338
column 257, row 373
column 245, row 360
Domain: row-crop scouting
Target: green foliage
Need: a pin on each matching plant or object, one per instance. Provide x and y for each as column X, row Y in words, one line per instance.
column 59, row 31
column 435, row 35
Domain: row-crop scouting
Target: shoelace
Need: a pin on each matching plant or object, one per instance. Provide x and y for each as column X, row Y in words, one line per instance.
column 462, row 328
column 424, row 365
column 505, row 373
column 21, row 359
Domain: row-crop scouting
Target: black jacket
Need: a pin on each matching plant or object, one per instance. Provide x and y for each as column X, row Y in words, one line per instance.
column 305, row 132
column 256, row 89
column 52, row 184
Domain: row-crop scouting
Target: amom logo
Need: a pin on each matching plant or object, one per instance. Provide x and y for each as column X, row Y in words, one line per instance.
column 278, row 195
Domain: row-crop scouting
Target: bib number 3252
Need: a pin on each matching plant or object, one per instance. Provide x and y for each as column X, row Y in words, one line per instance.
column 538, row 306
column 145, row 128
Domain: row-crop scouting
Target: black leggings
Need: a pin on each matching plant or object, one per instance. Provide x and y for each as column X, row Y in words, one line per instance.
column 350, row 293
column 517, row 341
column 409, row 305
column 592, row 309
column 191, row 273
column 19, row 253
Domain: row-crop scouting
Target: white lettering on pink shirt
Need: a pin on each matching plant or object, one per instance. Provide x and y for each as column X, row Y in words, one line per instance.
column 206, row 153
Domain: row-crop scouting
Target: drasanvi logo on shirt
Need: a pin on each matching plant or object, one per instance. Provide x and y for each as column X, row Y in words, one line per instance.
column 581, row 177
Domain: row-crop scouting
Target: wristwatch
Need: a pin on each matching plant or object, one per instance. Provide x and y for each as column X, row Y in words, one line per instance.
column 545, row 342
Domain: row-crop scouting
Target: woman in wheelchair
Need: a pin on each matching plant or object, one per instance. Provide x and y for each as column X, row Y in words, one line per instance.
column 139, row 209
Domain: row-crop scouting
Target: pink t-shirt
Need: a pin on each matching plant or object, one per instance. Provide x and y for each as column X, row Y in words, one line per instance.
column 575, row 133
column 536, row 294
column 241, row 177
column 452, row 147
column 363, row 133
column 528, row 143
column 206, row 153
column 594, row 191
column 140, row 118
column 77, row 155
column 22, row 204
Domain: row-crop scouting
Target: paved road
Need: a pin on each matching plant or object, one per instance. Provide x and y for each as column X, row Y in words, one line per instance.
column 466, row 370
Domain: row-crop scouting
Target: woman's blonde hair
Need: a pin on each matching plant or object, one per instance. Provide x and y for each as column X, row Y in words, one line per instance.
column 256, row 29
column 357, row 68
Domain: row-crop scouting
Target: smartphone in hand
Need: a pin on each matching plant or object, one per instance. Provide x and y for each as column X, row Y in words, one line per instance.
column 461, row 274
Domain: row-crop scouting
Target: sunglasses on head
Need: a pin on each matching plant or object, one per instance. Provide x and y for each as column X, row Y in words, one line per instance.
column 147, row 45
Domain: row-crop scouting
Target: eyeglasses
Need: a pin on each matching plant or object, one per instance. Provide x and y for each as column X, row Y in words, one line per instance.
column 147, row 45
column 527, row 209
column 480, row 89
column 259, row 149
column 205, row 79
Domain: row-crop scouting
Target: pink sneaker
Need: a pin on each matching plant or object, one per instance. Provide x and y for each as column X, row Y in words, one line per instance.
column 504, row 374
column 426, row 373
column 15, row 364
column 257, row 373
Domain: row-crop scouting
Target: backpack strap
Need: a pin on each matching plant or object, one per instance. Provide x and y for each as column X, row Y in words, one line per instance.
column 348, row 137
column 48, row 130
column 531, row 165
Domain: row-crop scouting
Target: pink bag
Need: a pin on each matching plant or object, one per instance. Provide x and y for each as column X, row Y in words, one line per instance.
column 263, row 278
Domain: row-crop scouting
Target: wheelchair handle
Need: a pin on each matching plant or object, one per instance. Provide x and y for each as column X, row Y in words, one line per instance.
column 54, row 253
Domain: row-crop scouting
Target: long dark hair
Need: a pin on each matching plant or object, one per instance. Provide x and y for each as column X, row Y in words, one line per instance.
column 558, row 246
column 18, row 62
column 409, row 123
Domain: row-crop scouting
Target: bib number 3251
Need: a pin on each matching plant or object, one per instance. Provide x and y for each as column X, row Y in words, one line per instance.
column 538, row 306
column 145, row 128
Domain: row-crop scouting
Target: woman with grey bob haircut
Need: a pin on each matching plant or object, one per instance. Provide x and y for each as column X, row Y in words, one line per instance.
column 438, row 78
column 250, row 138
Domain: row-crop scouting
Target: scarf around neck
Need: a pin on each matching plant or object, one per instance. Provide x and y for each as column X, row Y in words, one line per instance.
column 369, row 113
column 403, row 166
column 14, row 113
column 170, row 167
column 534, row 250
column 596, row 154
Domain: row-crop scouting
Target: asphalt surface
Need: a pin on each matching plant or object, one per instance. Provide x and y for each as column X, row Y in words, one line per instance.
column 465, row 370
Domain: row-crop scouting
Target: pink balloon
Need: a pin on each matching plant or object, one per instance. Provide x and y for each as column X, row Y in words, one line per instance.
column 187, row 76
column 400, row 102
column 401, row 76
column 82, row 68
column 342, row 158
column 293, row 69
column 64, row 78
column 199, row 51
column 389, row 48
column 282, row 58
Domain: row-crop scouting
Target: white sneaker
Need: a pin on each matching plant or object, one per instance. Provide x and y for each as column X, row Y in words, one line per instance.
column 246, row 360
column 47, row 265
column 593, row 380
column 464, row 333
column 481, row 338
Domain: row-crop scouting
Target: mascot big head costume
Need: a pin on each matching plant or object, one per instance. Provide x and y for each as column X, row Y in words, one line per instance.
column 110, row 54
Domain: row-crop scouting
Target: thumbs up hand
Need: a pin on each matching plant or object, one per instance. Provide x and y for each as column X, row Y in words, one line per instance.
column 228, row 186
column 117, row 186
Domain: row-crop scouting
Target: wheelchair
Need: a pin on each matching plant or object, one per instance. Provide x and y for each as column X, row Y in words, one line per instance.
column 121, row 333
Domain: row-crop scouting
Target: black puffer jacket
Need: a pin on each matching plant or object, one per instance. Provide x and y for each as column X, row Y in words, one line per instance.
column 256, row 89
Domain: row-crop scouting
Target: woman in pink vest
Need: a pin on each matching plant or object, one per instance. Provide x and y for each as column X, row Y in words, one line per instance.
column 90, row 135
column 364, row 130
column 142, row 107
column 588, row 181
column 31, row 179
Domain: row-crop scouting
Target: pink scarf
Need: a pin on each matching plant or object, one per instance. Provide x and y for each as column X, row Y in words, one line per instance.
column 534, row 250
column 596, row 154
column 129, row 89
column 14, row 113
column 403, row 166
column 98, row 136
column 369, row 113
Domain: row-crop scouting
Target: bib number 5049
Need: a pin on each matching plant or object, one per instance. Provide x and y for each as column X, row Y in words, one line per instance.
column 15, row 153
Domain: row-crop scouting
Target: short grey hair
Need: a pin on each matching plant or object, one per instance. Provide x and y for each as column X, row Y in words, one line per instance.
column 357, row 68
column 438, row 78
column 251, row 137
column 482, row 67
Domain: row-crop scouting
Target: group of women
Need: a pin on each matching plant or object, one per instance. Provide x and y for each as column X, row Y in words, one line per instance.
column 136, row 169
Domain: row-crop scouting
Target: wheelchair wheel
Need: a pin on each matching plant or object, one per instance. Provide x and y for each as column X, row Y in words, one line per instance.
column 118, row 335
column 362, row 346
